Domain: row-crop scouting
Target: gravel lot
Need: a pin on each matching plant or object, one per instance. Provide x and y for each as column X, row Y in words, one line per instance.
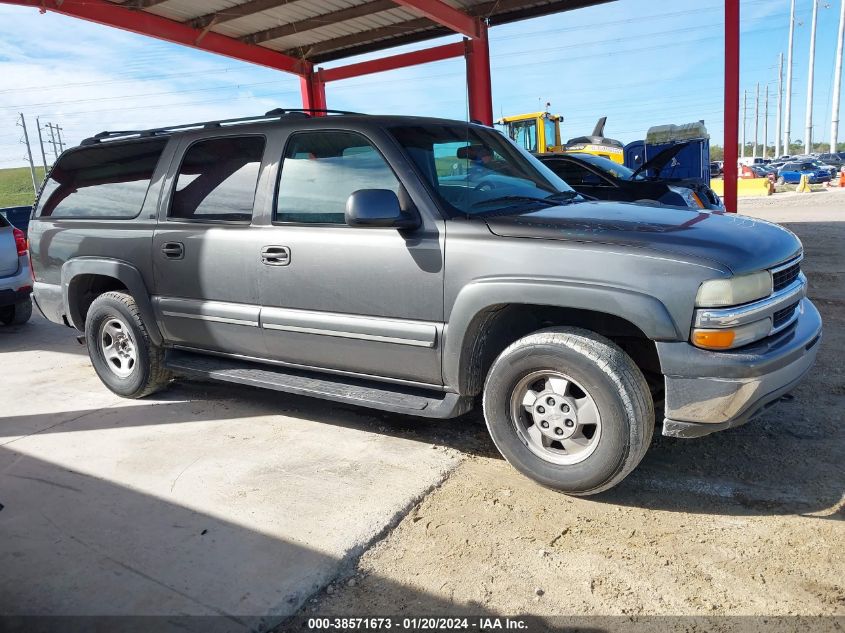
column 744, row 522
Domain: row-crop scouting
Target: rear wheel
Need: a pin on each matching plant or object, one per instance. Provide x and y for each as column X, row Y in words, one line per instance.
column 124, row 357
column 781, row 180
column 16, row 314
column 569, row 409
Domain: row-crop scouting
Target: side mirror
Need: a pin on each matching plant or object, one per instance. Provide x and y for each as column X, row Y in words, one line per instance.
column 378, row 208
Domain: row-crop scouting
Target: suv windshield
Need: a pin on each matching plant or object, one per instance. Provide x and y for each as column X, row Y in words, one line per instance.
column 609, row 167
column 474, row 170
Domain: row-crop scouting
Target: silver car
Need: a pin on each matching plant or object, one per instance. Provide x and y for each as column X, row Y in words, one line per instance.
column 15, row 276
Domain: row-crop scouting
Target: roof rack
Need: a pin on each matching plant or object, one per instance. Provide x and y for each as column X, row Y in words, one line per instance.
column 276, row 113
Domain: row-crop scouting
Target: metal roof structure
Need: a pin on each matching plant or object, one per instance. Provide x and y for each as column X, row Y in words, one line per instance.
column 296, row 36
column 326, row 30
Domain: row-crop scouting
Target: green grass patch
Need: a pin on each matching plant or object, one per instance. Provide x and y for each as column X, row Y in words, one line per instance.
column 16, row 186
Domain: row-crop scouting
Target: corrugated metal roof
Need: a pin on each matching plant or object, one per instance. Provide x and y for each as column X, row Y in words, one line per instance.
column 325, row 30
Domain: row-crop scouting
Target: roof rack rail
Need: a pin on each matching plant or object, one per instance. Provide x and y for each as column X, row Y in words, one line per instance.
column 272, row 114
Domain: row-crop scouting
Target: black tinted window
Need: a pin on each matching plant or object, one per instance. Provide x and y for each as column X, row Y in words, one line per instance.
column 321, row 170
column 107, row 181
column 217, row 179
column 574, row 174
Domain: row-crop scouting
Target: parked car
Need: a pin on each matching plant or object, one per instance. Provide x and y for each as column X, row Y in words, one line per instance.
column 763, row 171
column 602, row 179
column 830, row 169
column 17, row 216
column 15, row 276
column 791, row 173
column 716, row 169
column 309, row 255
column 835, row 159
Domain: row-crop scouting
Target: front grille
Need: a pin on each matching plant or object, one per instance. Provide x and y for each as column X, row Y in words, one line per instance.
column 782, row 278
column 783, row 315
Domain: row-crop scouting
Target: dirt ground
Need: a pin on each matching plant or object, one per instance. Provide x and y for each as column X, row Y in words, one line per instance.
column 744, row 522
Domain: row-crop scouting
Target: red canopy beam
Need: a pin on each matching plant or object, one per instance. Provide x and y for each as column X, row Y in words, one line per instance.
column 403, row 60
column 731, row 103
column 313, row 88
column 115, row 15
column 477, row 52
column 442, row 13
column 478, row 79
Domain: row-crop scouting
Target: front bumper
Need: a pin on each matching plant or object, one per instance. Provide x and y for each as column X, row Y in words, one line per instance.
column 712, row 391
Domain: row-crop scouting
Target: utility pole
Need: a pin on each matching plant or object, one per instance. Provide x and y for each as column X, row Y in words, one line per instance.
column 61, row 143
column 41, row 144
column 744, row 119
column 29, row 154
column 778, row 153
column 756, row 121
column 51, row 127
column 788, row 114
column 766, row 123
column 837, row 80
column 808, row 142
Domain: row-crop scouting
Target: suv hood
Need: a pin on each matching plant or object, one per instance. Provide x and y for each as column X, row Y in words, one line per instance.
column 741, row 243
column 660, row 160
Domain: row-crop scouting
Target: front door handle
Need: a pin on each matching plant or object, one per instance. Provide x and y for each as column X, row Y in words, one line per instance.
column 275, row 255
column 173, row 250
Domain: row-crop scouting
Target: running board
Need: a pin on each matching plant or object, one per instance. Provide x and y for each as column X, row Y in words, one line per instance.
column 361, row 392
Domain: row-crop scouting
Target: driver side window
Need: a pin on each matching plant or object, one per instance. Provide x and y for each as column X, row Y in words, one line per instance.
column 320, row 171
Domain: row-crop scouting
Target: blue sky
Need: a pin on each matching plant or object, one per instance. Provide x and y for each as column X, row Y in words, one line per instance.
column 639, row 62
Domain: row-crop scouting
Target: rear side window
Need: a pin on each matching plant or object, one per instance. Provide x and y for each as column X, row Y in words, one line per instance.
column 321, row 170
column 106, row 181
column 217, row 179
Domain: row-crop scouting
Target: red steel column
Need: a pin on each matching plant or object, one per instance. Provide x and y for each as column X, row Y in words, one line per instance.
column 313, row 90
column 731, row 102
column 478, row 78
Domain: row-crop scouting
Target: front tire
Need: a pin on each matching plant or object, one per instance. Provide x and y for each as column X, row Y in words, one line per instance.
column 124, row 357
column 569, row 409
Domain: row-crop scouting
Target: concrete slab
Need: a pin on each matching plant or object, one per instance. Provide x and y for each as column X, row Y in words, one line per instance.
column 208, row 500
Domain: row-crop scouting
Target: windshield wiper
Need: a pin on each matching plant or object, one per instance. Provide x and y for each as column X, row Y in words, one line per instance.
column 563, row 196
column 513, row 199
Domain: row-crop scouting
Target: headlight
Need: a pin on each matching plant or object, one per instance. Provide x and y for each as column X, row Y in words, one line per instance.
column 719, row 293
column 689, row 196
column 731, row 337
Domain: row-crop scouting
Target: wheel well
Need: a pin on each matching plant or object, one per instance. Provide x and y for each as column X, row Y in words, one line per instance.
column 499, row 326
column 83, row 289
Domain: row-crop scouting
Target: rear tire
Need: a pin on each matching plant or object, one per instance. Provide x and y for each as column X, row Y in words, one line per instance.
column 124, row 357
column 17, row 314
column 597, row 412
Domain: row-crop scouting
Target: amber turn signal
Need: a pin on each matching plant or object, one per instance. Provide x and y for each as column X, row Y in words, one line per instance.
column 713, row 339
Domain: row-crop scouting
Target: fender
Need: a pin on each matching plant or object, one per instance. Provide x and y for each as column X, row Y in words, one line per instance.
column 478, row 300
column 124, row 272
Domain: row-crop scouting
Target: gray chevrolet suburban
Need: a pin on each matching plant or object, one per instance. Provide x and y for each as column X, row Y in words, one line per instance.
column 419, row 266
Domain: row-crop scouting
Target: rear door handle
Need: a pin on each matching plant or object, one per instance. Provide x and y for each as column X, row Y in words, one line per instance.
column 173, row 250
column 275, row 255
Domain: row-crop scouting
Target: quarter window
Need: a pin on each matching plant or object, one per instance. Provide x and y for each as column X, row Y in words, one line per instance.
column 108, row 181
column 217, row 179
column 321, row 170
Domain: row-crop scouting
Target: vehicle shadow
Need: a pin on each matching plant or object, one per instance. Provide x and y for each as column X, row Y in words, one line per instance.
column 196, row 401
column 38, row 334
column 74, row 544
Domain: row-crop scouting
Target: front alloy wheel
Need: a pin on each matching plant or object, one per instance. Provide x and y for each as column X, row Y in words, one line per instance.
column 555, row 417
